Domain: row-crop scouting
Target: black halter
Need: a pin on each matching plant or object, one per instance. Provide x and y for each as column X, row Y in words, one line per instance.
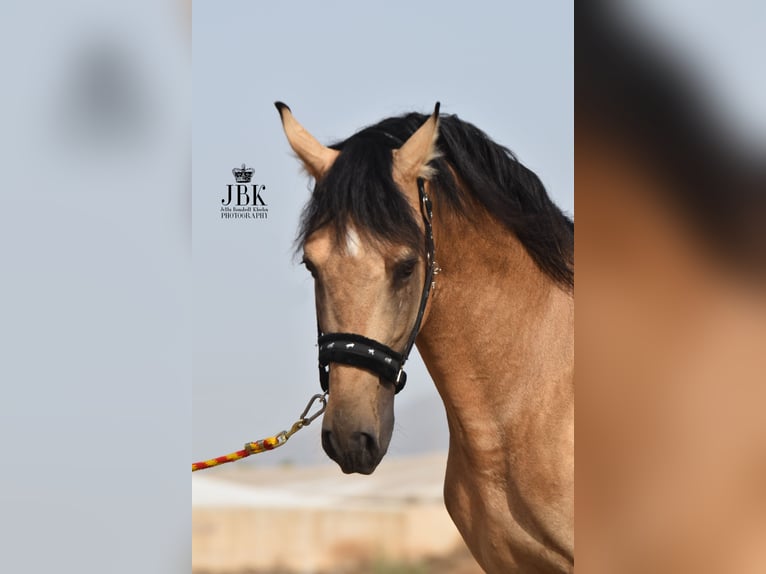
column 359, row 351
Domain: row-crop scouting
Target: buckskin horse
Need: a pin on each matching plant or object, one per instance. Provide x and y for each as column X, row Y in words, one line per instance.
column 493, row 320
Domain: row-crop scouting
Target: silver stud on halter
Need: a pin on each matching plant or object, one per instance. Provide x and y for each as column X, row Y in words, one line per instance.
column 437, row 270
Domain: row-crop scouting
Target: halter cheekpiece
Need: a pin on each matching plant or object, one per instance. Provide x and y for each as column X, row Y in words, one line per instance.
column 358, row 351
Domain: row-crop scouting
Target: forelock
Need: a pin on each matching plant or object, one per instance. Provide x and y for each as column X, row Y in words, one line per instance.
column 359, row 191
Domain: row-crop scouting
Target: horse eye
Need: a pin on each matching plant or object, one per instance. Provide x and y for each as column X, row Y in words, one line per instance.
column 310, row 267
column 404, row 270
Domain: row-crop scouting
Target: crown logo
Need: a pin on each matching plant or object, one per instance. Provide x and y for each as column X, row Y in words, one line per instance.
column 243, row 174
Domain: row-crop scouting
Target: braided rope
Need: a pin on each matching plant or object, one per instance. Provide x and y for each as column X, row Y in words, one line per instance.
column 269, row 443
column 255, row 447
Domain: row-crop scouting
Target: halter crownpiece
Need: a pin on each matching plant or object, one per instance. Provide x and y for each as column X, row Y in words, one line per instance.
column 358, row 351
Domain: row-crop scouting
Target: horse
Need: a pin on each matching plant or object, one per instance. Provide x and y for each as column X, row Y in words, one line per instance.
column 493, row 320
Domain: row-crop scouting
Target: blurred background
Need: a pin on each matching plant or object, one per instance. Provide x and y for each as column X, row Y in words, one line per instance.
column 95, row 286
column 671, row 307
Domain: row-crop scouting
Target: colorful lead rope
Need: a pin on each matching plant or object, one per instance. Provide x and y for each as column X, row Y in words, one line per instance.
column 271, row 442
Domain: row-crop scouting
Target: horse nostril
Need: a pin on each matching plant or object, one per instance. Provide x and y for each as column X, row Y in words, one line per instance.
column 366, row 442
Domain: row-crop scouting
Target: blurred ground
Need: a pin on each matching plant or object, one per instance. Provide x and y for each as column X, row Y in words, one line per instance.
column 458, row 562
column 315, row 519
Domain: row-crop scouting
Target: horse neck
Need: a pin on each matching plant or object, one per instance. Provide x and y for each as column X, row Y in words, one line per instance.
column 498, row 339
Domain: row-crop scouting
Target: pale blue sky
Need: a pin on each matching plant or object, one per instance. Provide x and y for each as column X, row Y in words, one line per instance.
column 506, row 67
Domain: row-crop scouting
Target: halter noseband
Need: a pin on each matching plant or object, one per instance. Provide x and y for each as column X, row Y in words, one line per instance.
column 359, row 351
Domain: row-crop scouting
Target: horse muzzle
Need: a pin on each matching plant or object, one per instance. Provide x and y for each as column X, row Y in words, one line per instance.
column 357, row 451
column 359, row 421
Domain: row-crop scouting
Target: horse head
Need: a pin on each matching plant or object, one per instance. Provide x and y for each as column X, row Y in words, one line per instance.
column 362, row 242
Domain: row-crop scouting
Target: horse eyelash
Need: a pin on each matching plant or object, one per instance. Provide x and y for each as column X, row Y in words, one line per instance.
column 404, row 269
column 309, row 267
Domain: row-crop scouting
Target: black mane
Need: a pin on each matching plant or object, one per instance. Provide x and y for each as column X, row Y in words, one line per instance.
column 359, row 188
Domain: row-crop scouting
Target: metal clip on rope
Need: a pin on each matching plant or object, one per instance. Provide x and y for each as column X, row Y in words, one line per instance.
column 271, row 442
column 306, row 420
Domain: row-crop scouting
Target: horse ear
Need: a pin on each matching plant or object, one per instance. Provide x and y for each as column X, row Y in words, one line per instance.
column 411, row 160
column 317, row 158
